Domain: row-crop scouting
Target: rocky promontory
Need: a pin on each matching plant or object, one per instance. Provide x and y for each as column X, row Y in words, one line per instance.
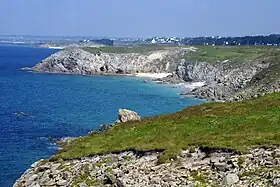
column 79, row 61
column 228, row 73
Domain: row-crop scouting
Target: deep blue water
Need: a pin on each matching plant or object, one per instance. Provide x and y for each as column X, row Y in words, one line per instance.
column 62, row 106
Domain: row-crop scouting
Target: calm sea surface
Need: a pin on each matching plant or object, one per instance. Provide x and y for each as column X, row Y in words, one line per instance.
column 63, row 106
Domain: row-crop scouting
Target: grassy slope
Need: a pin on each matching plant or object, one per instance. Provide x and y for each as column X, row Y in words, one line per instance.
column 135, row 49
column 212, row 54
column 237, row 126
column 238, row 54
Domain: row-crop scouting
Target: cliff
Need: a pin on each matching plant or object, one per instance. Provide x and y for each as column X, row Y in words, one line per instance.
column 229, row 73
column 79, row 61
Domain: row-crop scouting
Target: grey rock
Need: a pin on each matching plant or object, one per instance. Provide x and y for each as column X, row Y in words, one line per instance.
column 119, row 183
column 131, row 169
column 221, row 166
column 110, row 179
column 191, row 185
column 276, row 182
column 62, row 183
column 31, row 179
column 230, row 179
column 126, row 115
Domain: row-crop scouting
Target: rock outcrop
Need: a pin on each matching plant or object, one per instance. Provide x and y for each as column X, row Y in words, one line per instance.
column 126, row 115
column 259, row 167
column 78, row 61
column 223, row 80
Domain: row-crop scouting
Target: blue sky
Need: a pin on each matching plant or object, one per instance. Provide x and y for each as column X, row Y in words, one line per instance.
column 142, row 18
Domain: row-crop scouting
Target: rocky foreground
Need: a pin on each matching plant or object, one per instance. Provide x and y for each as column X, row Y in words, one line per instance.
column 250, row 75
column 198, row 167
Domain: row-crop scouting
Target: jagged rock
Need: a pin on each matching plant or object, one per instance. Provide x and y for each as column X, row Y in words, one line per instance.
column 78, row 61
column 230, row 179
column 126, row 115
column 119, row 183
column 276, row 182
column 31, row 179
column 132, row 169
column 62, row 183
column 105, row 127
column 110, row 179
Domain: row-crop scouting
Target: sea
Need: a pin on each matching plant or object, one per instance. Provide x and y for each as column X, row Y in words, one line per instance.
column 36, row 107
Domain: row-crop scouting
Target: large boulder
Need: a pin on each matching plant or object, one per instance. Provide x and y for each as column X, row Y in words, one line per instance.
column 126, row 115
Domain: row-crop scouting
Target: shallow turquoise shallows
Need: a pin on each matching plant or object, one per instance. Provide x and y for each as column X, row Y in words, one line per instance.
column 63, row 106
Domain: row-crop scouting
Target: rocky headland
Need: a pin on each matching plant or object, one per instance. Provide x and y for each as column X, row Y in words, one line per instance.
column 229, row 73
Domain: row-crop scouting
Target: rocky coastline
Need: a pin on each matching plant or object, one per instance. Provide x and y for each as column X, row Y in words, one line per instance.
column 195, row 167
column 226, row 80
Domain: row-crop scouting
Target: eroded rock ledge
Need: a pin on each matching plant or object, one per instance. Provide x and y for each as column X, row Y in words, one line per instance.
column 199, row 167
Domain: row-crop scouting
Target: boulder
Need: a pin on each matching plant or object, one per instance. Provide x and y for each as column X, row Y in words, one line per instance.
column 230, row 179
column 126, row 115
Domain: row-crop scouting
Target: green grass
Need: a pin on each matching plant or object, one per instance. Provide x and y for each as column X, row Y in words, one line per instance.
column 133, row 49
column 239, row 126
column 213, row 54
column 237, row 54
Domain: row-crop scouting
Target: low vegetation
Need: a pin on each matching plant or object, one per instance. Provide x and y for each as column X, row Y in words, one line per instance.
column 237, row 54
column 130, row 49
column 238, row 126
column 214, row 54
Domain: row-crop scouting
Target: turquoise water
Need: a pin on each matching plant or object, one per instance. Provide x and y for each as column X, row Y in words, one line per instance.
column 63, row 106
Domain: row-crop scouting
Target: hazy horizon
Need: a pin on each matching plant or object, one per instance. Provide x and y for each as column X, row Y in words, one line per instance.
column 131, row 18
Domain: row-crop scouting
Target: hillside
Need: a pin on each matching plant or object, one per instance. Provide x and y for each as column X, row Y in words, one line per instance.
column 214, row 144
column 238, row 126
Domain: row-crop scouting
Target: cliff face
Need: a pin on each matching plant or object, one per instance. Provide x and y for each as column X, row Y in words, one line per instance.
column 222, row 80
column 78, row 61
column 227, row 79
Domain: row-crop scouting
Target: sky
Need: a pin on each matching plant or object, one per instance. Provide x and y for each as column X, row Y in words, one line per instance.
column 139, row 18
